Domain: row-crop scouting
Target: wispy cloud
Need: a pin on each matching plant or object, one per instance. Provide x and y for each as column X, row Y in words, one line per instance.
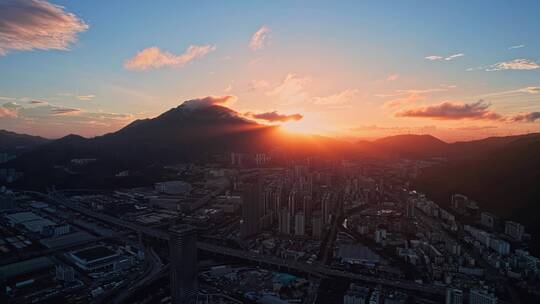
column 54, row 120
column 516, row 64
column 524, row 90
column 291, row 90
column 37, row 24
column 392, row 77
column 452, row 57
column 86, row 97
column 255, row 85
column 530, row 90
column 339, row 98
column 448, row 58
column 453, row 111
column 260, row 38
column 274, row 116
column 434, row 57
column 409, row 96
column 154, row 58
column 516, row 46
column 64, row 111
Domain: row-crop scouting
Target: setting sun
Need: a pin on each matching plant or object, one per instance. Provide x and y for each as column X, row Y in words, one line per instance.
column 305, row 126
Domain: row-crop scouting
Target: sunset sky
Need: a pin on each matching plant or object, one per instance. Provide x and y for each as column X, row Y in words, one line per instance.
column 453, row 69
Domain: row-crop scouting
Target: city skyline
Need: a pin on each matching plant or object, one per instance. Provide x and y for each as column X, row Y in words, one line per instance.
column 347, row 69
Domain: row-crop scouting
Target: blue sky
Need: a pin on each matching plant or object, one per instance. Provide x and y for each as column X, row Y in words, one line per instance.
column 352, row 69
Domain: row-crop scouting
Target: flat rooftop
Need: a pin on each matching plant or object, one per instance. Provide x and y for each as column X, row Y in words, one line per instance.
column 67, row 239
column 360, row 252
column 21, row 217
column 94, row 253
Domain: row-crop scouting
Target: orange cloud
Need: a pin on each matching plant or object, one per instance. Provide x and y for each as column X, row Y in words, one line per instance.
column 154, row 58
column 7, row 112
column 33, row 24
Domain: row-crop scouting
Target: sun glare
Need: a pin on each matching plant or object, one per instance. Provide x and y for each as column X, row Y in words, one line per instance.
column 299, row 127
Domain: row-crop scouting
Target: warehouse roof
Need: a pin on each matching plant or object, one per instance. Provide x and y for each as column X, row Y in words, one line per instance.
column 24, row 267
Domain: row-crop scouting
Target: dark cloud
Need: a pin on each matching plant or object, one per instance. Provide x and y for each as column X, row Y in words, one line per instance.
column 208, row 101
column 64, row 111
column 526, row 117
column 274, row 116
column 33, row 24
column 453, row 111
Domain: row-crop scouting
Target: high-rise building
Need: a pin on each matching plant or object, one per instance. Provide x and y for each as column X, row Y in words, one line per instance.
column 514, row 230
column 500, row 246
column 299, row 223
column 284, row 221
column 183, row 256
column 251, row 209
column 477, row 296
column 317, row 225
column 66, row 274
column 454, row 296
column 487, row 219
column 326, row 207
column 307, row 205
column 410, row 207
column 292, row 203
column 380, row 236
column 459, row 201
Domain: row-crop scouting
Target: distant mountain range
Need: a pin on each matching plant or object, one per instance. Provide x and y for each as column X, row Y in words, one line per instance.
column 185, row 133
column 13, row 142
column 502, row 173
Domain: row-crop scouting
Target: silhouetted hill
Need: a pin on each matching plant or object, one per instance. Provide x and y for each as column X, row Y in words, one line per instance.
column 502, row 173
column 11, row 141
column 409, row 146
